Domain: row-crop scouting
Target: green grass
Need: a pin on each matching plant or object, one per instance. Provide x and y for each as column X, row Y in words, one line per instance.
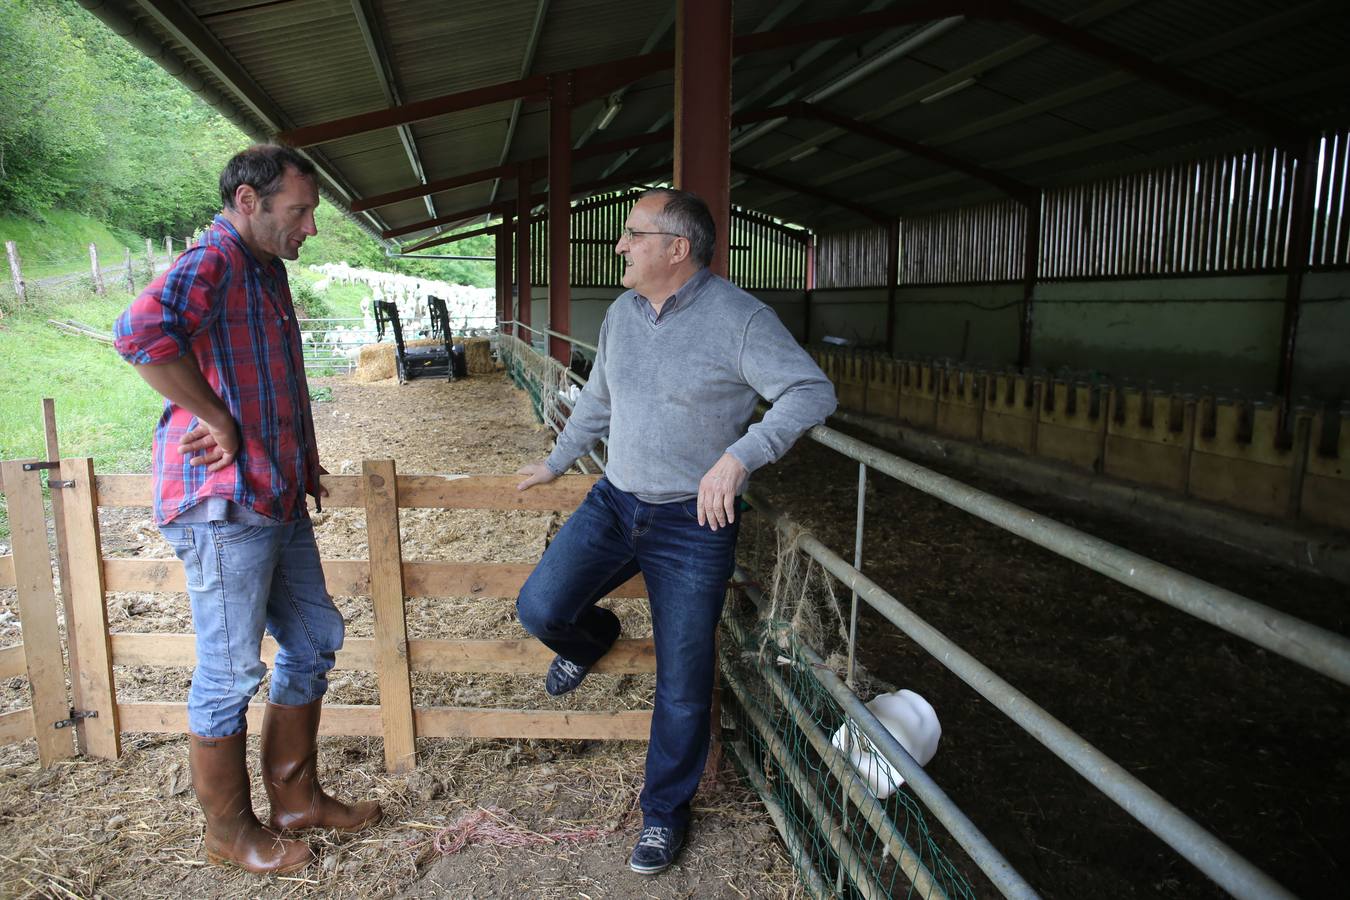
column 58, row 243
column 103, row 408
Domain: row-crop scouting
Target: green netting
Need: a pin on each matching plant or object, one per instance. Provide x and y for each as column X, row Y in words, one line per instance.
column 843, row 840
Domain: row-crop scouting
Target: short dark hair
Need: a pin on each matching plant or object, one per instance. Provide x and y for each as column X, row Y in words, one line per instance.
column 262, row 167
column 687, row 215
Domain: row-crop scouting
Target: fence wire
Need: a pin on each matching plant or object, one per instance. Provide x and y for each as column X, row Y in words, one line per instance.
column 845, row 842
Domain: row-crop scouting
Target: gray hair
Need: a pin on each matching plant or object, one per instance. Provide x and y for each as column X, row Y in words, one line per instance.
column 262, row 167
column 688, row 216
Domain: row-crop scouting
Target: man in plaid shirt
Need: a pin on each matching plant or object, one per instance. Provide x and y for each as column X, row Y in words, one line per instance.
column 234, row 457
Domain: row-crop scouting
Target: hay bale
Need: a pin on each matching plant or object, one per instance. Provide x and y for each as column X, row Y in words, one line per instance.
column 478, row 355
column 376, row 363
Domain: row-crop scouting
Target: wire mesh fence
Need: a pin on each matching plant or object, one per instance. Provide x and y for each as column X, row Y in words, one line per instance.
column 850, row 832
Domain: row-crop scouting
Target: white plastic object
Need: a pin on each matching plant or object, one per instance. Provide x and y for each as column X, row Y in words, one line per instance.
column 912, row 721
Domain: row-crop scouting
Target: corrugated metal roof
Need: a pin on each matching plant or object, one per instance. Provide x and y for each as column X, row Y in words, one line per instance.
column 1032, row 105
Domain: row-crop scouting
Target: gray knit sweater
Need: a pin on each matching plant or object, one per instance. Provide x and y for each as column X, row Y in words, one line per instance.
column 673, row 397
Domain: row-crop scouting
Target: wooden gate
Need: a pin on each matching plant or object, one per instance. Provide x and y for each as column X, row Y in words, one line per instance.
column 385, row 577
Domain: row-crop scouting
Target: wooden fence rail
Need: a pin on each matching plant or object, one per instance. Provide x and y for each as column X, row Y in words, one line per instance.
column 385, row 577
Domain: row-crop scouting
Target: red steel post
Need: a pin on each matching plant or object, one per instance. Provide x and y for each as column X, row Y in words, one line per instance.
column 559, row 216
column 703, row 112
column 523, row 251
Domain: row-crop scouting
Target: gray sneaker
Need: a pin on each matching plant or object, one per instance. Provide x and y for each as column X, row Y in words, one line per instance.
column 656, row 849
column 564, row 677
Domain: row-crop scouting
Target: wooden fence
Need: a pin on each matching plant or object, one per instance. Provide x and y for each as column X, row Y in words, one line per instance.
column 385, row 577
column 18, row 283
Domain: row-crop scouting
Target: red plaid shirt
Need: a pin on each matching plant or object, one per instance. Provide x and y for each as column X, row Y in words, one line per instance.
column 235, row 316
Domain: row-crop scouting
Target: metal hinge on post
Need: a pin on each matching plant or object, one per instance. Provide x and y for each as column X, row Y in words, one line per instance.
column 38, row 466
column 75, row 716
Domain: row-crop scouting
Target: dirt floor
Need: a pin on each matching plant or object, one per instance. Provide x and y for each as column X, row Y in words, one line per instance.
column 1251, row 746
column 561, row 816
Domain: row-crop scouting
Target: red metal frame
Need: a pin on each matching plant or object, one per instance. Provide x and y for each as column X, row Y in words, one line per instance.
column 560, row 217
column 703, row 113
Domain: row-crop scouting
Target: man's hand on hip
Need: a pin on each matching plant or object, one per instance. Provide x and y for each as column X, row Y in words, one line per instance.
column 537, row 472
column 218, row 445
column 717, row 492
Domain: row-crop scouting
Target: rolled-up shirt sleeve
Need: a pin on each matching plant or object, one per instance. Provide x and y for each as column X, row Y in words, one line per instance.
column 781, row 372
column 160, row 324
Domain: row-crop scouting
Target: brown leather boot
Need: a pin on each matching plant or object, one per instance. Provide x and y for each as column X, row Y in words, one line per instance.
column 290, row 755
column 233, row 834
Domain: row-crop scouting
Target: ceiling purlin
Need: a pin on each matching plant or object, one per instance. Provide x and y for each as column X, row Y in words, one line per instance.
column 951, row 79
column 189, row 31
column 863, row 209
column 507, row 171
column 464, row 215
column 379, row 57
column 1267, row 26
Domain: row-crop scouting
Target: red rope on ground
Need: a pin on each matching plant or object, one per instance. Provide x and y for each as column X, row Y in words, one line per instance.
column 492, row 825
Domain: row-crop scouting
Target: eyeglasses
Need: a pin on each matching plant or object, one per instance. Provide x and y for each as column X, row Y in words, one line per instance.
column 628, row 234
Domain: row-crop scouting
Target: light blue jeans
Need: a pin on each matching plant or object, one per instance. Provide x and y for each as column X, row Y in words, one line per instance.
column 242, row 579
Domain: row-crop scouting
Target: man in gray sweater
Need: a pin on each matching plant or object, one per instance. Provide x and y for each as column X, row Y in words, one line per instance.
column 684, row 357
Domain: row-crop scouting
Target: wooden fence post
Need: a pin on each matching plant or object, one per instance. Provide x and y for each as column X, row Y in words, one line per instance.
column 37, row 611
column 130, row 276
column 98, row 274
column 150, row 257
column 168, row 251
column 102, row 735
column 15, row 275
column 380, row 485
column 63, row 567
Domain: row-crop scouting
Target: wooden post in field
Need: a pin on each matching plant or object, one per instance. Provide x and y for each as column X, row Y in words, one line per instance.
column 150, row 257
column 94, row 269
column 37, row 611
column 130, row 276
column 168, row 251
column 391, row 629
column 102, row 737
column 16, row 276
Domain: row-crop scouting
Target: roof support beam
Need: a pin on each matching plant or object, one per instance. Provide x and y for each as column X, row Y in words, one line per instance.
column 560, row 217
column 441, row 239
column 524, row 302
column 531, row 200
column 445, row 184
column 703, row 113
column 1284, row 130
column 1018, row 190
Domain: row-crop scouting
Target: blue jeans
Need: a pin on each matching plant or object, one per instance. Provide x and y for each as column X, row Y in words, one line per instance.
column 242, row 578
column 610, row 538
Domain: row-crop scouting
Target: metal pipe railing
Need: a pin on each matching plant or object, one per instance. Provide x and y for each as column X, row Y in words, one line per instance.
column 899, row 849
column 1302, row 642
column 966, row 833
column 1206, row 852
column 850, row 862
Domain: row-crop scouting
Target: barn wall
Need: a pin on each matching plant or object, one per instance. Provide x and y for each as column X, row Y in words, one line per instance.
column 1221, row 331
